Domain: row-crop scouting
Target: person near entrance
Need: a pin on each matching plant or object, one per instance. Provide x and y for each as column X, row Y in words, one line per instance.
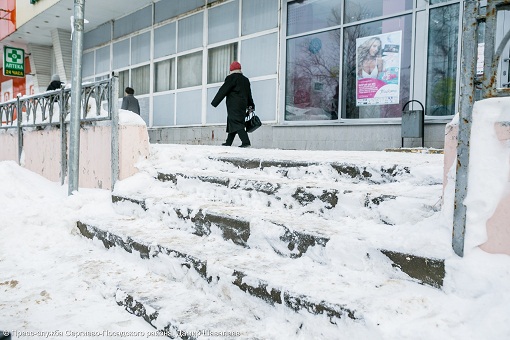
column 55, row 83
column 237, row 89
column 129, row 102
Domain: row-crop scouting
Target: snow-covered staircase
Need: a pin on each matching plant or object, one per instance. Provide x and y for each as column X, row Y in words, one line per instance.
column 231, row 229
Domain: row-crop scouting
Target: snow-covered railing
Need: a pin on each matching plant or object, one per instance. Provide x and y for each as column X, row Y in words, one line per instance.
column 52, row 108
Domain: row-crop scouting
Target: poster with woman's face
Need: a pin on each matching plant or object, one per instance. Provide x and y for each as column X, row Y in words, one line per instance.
column 378, row 69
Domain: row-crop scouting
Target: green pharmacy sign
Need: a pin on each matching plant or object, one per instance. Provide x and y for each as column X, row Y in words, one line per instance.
column 14, row 62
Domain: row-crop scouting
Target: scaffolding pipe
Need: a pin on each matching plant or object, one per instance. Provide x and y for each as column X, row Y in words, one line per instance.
column 467, row 98
column 74, row 128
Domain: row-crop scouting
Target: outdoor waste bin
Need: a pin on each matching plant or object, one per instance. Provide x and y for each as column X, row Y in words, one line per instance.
column 413, row 122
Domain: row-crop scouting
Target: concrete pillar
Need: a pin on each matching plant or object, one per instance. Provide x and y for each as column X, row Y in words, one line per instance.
column 40, row 65
column 62, row 48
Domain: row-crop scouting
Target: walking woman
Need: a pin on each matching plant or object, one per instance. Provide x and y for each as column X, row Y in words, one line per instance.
column 237, row 89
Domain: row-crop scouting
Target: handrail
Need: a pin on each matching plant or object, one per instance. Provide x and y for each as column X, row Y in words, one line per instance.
column 52, row 108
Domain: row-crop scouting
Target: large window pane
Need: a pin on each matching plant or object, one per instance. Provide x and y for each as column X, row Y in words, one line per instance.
column 98, row 36
column 133, row 22
column 312, row 77
column 140, row 77
column 356, row 10
column 140, row 48
column 264, row 96
column 88, row 64
column 219, row 62
column 189, row 107
column 215, row 115
column 103, row 59
column 189, row 70
column 259, row 15
column 258, row 61
column 442, row 60
column 223, row 22
column 163, row 114
column 309, row 15
column 190, row 32
column 164, row 72
column 164, row 40
column 123, row 82
column 377, row 68
column 121, row 54
column 169, row 9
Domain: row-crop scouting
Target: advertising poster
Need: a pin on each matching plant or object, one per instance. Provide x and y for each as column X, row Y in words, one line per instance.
column 378, row 69
column 30, row 87
column 7, row 90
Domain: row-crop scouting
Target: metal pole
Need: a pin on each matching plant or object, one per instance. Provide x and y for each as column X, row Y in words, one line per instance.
column 19, row 120
column 74, row 128
column 114, row 100
column 492, row 54
column 467, row 95
column 63, row 136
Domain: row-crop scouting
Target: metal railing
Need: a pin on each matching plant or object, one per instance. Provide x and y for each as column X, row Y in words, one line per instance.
column 99, row 102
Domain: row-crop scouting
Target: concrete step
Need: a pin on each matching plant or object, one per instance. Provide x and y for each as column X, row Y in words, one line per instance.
column 179, row 304
column 267, row 278
column 380, row 203
column 294, row 285
column 285, row 241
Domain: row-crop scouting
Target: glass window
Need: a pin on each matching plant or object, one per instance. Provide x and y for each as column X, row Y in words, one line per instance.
column 259, row 15
column 356, row 10
column 164, row 40
column 97, row 36
column 223, row 22
column 190, row 32
column 123, row 82
column 88, row 64
column 121, row 54
column 164, row 72
column 434, row 2
column 170, row 9
column 133, row 22
column 312, row 77
column 189, row 70
column 189, row 107
column 140, row 79
column 140, row 48
column 309, row 15
column 264, row 97
column 442, row 60
column 103, row 59
column 219, row 62
column 259, row 55
column 215, row 115
column 163, row 114
column 376, row 68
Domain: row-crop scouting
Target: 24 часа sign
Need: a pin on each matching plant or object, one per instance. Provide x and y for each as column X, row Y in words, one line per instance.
column 14, row 62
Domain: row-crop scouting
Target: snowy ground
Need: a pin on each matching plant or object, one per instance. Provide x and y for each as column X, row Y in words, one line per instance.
column 54, row 280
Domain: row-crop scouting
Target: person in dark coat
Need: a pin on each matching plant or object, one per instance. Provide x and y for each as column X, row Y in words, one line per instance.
column 129, row 102
column 55, row 83
column 237, row 90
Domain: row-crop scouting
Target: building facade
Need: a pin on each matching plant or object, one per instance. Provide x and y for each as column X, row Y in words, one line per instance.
column 325, row 74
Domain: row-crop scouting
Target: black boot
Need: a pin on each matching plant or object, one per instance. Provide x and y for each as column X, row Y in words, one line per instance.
column 230, row 139
column 244, row 139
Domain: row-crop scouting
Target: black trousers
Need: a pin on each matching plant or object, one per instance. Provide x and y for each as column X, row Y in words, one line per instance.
column 243, row 135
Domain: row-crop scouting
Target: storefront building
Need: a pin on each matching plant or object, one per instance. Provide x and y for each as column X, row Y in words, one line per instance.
column 325, row 74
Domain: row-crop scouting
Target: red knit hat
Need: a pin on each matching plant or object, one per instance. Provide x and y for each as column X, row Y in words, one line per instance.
column 235, row 66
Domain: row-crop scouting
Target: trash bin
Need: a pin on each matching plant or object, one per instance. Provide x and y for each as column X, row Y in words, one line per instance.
column 413, row 122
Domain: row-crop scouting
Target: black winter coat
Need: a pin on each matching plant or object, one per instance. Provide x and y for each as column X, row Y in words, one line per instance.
column 54, row 85
column 238, row 92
